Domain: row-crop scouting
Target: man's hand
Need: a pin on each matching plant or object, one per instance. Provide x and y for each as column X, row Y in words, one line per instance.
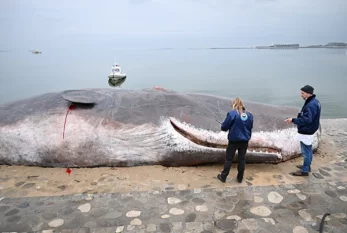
column 289, row 120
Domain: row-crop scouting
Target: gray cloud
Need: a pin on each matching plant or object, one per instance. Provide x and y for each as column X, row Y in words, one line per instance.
column 180, row 23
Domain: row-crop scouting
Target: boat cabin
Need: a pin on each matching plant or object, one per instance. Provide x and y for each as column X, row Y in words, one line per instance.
column 116, row 69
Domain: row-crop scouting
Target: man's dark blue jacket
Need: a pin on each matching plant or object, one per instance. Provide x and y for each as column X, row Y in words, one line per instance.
column 308, row 119
column 239, row 126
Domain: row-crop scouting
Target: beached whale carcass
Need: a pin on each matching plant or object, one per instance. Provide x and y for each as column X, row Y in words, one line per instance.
column 108, row 127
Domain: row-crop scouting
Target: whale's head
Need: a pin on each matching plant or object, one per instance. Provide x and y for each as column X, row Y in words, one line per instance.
column 264, row 147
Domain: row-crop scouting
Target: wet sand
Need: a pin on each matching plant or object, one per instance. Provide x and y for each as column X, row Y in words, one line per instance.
column 22, row 181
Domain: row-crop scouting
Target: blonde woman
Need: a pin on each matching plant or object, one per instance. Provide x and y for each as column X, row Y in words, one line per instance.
column 239, row 122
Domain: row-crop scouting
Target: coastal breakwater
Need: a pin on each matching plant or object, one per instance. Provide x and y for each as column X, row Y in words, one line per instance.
column 332, row 45
column 339, row 45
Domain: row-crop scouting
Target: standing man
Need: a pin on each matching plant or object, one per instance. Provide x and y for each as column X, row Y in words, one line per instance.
column 239, row 122
column 307, row 123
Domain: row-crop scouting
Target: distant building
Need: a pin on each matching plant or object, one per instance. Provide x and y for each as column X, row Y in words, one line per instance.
column 337, row 44
column 279, row 46
column 290, row 46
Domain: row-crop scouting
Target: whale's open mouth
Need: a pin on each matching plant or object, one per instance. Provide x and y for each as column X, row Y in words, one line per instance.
column 207, row 142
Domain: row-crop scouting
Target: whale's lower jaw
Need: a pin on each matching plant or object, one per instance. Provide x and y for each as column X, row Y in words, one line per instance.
column 192, row 159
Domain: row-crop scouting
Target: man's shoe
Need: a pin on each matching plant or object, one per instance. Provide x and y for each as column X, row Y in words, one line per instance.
column 220, row 178
column 239, row 180
column 300, row 166
column 299, row 173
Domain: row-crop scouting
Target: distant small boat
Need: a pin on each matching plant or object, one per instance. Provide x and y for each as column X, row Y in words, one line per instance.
column 116, row 73
column 35, row 51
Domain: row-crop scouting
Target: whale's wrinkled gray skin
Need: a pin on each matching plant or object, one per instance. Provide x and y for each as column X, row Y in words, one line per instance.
column 117, row 127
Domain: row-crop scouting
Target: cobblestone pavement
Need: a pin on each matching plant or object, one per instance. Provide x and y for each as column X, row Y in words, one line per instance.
column 296, row 208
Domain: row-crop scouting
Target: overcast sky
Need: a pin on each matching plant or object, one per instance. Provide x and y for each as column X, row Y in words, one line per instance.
column 169, row 23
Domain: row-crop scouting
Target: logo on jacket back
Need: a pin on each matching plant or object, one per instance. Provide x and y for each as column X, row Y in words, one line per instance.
column 244, row 116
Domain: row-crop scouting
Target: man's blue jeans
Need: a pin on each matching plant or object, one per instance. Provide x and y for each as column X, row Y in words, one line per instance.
column 307, row 154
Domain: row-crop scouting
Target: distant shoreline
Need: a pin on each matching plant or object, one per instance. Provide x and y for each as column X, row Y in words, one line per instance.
column 303, row 47
column 285, row 48
column 331, row 45
column 244, row 47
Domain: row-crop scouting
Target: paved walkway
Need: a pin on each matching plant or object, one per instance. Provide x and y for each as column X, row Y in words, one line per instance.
column 286, row 208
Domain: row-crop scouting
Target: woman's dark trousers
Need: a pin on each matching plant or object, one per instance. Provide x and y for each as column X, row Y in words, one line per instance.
column 241, row 147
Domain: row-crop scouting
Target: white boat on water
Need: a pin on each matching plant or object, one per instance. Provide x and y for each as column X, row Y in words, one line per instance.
column 116, row 73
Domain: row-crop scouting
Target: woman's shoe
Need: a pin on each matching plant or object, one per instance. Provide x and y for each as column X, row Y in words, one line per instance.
column 220, row 178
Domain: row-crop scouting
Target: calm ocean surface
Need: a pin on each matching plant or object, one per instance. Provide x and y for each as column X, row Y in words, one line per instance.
column 267, row 76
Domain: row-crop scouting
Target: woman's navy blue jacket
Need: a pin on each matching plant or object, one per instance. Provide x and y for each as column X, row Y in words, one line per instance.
column 239, row 126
